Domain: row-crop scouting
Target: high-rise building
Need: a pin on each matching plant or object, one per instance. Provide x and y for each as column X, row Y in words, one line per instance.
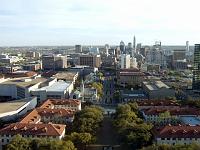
column 179, row 54
column 196, row 69
column 78, row 48
column 48, row 62
column 125, row 61
column 187, row 46
column 122, row 47
column 134, row 46
column 90, row 60
column 52, row 62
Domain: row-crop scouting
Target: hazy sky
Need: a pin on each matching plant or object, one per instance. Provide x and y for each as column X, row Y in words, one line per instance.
column 70, row 22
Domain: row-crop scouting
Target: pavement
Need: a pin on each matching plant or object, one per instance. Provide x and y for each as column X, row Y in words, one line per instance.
column 106, row 137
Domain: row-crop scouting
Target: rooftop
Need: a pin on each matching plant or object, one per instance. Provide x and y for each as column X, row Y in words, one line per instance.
column 55, row 87
column 66, row 75
column 173, row 111
column 36, row 114
column 24, row 82
column 155, row 85
column 157, row 103
column 51, row 102
column 180, row 131
column 12, row 105
column 33, row 129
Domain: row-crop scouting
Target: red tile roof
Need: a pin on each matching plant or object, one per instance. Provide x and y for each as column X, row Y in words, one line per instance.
column 37, row 113
column 157, row 103
column 51, row 102
column 33, row 129
column 173, row 111
column 181, row 131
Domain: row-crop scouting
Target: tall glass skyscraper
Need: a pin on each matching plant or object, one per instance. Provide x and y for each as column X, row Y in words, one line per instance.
column 196, row 69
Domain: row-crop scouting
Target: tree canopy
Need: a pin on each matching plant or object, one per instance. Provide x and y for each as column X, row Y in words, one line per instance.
column 131, row 129
column 20, row 143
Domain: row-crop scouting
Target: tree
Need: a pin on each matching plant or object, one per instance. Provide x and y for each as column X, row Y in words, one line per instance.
column 18, row 143
column 80, row 139
column 131, row 129
column 88, row 120
column 99, row 87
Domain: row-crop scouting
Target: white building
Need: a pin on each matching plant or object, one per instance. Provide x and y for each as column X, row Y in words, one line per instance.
column 19, row 88
column 57, row 90
column 13, row 110
column 125, row 61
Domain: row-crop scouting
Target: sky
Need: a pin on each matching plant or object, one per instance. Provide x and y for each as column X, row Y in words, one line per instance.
column 97, row 22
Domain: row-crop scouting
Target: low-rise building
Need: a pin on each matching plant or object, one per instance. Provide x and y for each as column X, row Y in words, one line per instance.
column 67, row 76
column 13, row 110
column 20, row 88
column 72, row 104
column 28, row 130
column 46, row 115
column 157, row 90
column 167, row 104
column 180, row 134
column 183, row 115
column 129, row 77
column 57, row 90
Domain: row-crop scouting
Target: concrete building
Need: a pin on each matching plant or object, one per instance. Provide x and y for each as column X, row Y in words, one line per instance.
column 13, row 110
column 122, row 48
column 32, row 54
column 155, row 56
column 125, row 61
column 57, row 90
column 157, row 90
column 90, row 60
column 179, row 54
column 32, row 67
column 196, row 68
column 129, row 77
column 20, row 88
column 54, row 62
column 67, row 76
column 94, row 50
column 78, row 49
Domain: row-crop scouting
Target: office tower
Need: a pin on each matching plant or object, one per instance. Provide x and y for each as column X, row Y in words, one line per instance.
column 134, row 46
column 90, row 60
column 129, row 45
column 187, row 46
column 122, row 47
column 78, row 48
column 179, row 54
column 94, row 50
column 48, row 62
column 60, row 62
column 107, row 47
column 125, row 61
column 52, row 62
column 196, row 69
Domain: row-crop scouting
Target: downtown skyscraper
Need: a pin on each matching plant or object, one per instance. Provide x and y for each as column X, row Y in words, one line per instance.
column 196, row 68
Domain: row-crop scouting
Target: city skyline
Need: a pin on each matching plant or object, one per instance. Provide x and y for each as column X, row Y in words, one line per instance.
column 68, row 22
